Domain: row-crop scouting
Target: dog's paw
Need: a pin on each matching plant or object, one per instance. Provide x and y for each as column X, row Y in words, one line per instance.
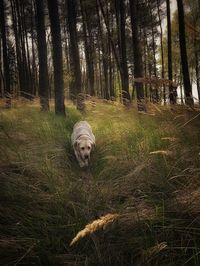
column 81, row 164
column 84, row 164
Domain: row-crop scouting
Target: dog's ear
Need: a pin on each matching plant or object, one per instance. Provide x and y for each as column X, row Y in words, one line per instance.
column 76, row 144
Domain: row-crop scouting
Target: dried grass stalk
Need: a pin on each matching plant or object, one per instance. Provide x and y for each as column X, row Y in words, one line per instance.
column 152, row 251
column 169, row 138
column 163, row 152
column 96, row 225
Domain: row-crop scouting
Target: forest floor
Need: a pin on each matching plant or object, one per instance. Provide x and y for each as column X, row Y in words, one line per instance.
column 145, row 171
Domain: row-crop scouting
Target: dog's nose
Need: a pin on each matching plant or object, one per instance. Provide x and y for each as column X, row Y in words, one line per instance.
column 86, row 156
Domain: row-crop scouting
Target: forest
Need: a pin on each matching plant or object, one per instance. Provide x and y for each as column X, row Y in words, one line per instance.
column 131, row 68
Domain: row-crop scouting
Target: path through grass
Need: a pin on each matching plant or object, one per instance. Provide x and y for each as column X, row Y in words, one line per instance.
column 145, row 168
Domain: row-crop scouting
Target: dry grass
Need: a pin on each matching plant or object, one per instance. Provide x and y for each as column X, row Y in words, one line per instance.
column 145, row 168
column 96, row 225
column 168, row 153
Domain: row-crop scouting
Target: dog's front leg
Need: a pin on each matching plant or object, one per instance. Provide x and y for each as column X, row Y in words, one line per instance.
column 79, row 159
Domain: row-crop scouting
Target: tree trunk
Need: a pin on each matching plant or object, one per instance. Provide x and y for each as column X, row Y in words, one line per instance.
column 162, row 52
column 117, row 61
column 6, row 69
column 19, row 28
column 197, row 69
column 123, row 56
column 75, row 84
column 42, row 55
column 27, row 49
column 88, row 47
column 1, row 76
column 184, row 61
column 153, row 43
column 197, row 74
column 104, row 56
column 57, row 57
column 169, row 52
column 137, row 54
column 34, row 67
column 15, row 25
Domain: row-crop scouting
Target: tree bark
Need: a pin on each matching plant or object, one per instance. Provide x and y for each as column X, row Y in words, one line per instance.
column 57, row 57
column 184, row 61
column 162, row 52
column 116, row 56
column 75, row 84
column 6, row 69
column 123, row 55
column 169, row 51
column 104, row 48
column 137, row 54
column 88, row 40
column 42, row 56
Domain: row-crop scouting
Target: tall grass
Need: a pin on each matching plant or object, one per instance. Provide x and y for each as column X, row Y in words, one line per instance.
column 145, row 169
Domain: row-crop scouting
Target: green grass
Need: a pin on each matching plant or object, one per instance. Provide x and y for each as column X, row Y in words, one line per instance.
column 46, row 198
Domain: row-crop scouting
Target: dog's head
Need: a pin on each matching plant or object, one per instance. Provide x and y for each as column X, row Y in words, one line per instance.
column 84, row 146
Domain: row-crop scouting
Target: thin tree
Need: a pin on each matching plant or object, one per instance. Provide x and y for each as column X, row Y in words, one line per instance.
column 34, row 67
column 57, row 57
column 184, row 61
column 6, row 69
column 88, row 41
column 161, row 48
column 123, row 54
column 42, row 55
column 21, row 38
column 169, row 50
column 104, row 48
column 20, row 67
column 118, row 61
column 137, row 54
column 75, row 84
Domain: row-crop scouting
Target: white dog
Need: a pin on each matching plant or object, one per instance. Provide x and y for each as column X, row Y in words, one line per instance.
column 83, row 142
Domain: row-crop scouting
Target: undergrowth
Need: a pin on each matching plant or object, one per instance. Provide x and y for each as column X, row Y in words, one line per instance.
column 145, row 169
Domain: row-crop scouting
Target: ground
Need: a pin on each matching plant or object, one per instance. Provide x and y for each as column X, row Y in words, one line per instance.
column 145, row 169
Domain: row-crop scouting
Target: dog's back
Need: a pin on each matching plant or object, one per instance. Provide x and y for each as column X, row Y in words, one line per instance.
column 82, row 128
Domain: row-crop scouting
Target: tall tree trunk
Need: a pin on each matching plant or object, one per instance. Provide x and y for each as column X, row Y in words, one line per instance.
column 88, row 47
column 137, row 54
column 104, row 49
column 20, row 37
column 75, row 84
column 184, row 61
column 162, row 52
column 116, row 56
column 1, row 75
column 123, row 56
column 27, row 49
column 34, row 67
column 42, row 55
column 169, row 52
column 6, row 69
column 15, row 25
column 181, row 84
column 197, row 75
column 57, row 57
column 153, row 43
column 111, row 74
column 66, row 49
column 145, row 51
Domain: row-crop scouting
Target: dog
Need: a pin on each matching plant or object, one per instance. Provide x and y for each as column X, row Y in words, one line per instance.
column 83, row 142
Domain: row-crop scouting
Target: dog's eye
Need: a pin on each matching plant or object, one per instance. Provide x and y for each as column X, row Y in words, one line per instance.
column 82, row 148
column 89, row 148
